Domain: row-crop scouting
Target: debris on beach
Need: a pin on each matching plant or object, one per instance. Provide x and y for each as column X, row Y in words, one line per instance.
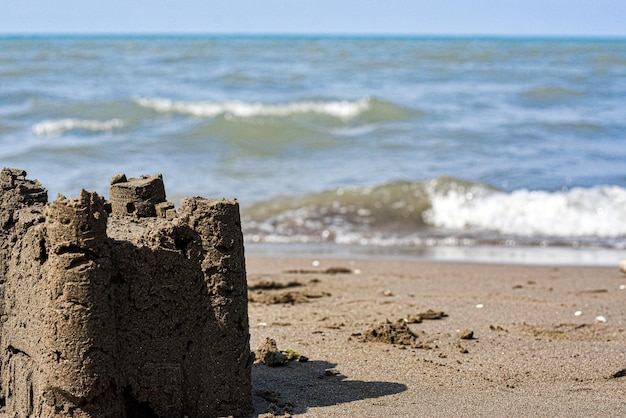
column 338, row 270
column 622, row 266
column 273, row 285
column 273, row 292
column 497, row 328
column 427, row 315
column 430, row 314
column 387, row 332
column 288, row 297
column 330, row 270
column 269, row 354
column 467, row 335
column 294, row 355
column 413, row 319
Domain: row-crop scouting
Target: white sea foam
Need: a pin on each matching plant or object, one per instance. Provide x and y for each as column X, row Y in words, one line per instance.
column 59, row 126
column 342, row 109
column 580, row 212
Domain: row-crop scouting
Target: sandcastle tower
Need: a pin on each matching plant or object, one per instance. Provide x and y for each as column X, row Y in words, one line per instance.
column 126, row 308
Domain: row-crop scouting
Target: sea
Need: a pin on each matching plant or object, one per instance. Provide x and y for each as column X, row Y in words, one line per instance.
column 485, row 149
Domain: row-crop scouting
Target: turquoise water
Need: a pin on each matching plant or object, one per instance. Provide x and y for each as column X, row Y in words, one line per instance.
column 367, row 143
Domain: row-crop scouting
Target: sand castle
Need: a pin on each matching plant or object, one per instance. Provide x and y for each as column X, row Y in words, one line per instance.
column 126, row 308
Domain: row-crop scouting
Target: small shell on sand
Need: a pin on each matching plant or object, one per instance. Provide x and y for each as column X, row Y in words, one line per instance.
column 622, row 266
column 600, row 319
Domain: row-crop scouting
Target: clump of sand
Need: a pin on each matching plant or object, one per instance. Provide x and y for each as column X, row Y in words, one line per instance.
column 269, row 354
column 273, row 292
column 397, row 332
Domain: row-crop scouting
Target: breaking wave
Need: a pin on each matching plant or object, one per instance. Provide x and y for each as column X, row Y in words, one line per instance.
column 60, row 126
column 444, row 210
column 340, row 109
column 579, row 212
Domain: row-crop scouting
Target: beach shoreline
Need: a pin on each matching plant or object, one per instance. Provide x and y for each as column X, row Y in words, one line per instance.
column 517, row 255
column 510, row 340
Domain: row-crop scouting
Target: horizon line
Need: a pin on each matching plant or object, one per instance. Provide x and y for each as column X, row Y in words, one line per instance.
column 310, row 35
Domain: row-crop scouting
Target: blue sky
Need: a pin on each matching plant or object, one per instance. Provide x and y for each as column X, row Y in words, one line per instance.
column 403, row 17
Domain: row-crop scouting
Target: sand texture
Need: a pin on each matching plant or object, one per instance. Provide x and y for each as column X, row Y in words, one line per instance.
column 405, row 339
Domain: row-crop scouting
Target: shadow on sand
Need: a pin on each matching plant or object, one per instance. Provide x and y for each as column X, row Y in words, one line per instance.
column 295, row 387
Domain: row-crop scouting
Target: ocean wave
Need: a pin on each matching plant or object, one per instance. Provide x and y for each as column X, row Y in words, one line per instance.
column 444, row 211
column 60, row 126
column 579, row 212
column 373, row 214
column 341, row 109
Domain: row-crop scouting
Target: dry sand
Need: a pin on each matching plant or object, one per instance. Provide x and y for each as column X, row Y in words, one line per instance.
column 504, row 340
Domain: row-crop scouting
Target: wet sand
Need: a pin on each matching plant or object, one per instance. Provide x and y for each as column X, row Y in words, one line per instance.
column 408, row 339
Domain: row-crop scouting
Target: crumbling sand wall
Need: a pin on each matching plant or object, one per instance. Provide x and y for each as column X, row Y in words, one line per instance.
column 126, row 308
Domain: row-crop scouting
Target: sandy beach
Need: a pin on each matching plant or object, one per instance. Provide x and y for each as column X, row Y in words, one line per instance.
column 461, row 339
column 331, row 157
